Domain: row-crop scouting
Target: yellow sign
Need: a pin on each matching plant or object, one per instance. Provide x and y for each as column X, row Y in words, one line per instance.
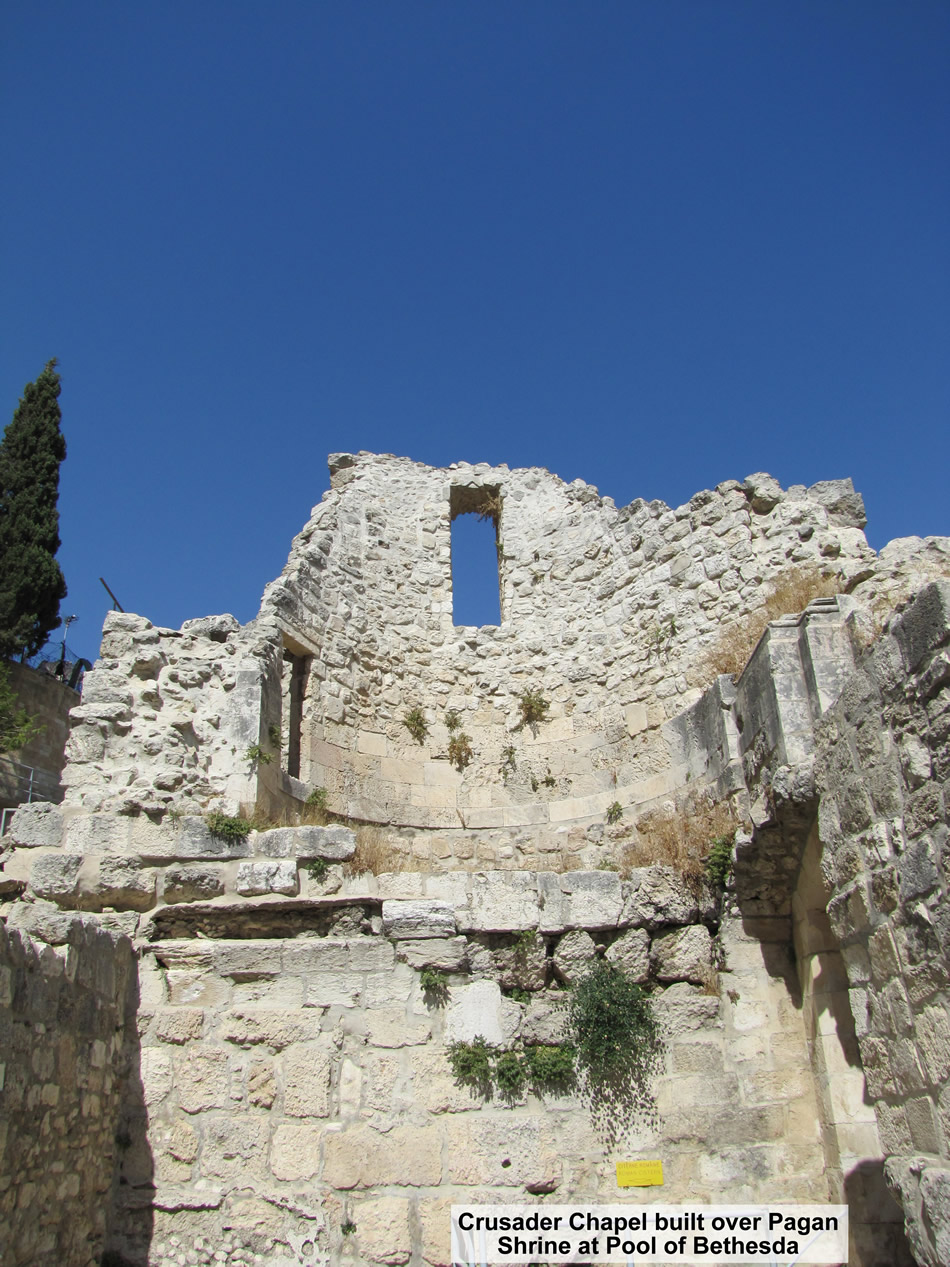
column 639, row 1174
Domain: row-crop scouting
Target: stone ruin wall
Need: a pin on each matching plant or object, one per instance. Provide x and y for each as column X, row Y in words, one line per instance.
column 292, row 1076
column 67, row 1031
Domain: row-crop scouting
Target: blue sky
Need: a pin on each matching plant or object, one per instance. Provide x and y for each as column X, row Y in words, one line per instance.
column 654, row 245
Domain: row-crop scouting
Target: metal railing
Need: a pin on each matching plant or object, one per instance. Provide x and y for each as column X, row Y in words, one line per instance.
column 25, row 783
column 61, row 662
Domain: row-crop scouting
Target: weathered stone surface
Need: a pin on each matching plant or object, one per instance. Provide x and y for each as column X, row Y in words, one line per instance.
column 411, row 920
column 306, row 1082
column 295, row 1150
column 383, row 1231
column 335, row 844
column 271, row 1027
column 446, row 954
column 580, row 899
column 192, row 884
column 682, row 1007
column 631, row 953
column 44, row 921
column 194, row 840
column 655, row 896
column 37, row 824
column 366, row 1158
column 574, row 956
column 260, row 877
column 544, row 1019
column 125, row 883
column 683, row 955
column 502, row 901
column 202, row 1079
column 480, row 1009
column 56, row 876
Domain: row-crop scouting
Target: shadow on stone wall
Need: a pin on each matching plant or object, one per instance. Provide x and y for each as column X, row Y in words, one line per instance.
column 881, row 1241
column 129, row 1230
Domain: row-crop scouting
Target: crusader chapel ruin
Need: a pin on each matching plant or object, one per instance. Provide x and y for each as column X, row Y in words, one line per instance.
column 216, row 1041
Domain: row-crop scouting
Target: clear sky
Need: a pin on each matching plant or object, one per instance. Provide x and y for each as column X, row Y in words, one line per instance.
column 651, row 243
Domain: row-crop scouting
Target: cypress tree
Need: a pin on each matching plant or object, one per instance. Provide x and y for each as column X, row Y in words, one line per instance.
column 31, row 582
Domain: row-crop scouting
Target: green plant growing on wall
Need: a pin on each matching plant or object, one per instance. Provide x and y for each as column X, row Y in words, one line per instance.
column 317, row 798
column 17, row 726
column 489, row 507
column 348, row 1227
column 473, row 1066
column 614, row 813
column 317, row 869
column 507, row 763
column 718, row 861
column 416, row 724
column 452, row 720
column 259, row 754
column 611, row 1027
column 511, row 1075
column 227, row 827
column 460, row 750
column 434, row 986
column 534, row 707
column 488, row 1071
column 273, row 734
column 550, row 1069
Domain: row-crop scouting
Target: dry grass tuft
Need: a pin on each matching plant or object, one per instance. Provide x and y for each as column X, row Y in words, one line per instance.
column 791, row 592
column 376, row 854
column 679, row 837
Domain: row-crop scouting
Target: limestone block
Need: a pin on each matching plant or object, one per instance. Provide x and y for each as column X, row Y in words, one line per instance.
column 480, row 1009
column 155, row 1068
column 423, row 917
column 383, row 1232
column 389, row 1027
column 179, row 1024
column 261, row 1082
column 580, row 899
column 683, row 955
column 334, row 844
column 194, row 840
column 36, row 824
column 763, row 491
column 924, row 624
column 433, row 1083
column 365, row 1158
column 245, row 960
column 544, row 1019
column 125, row 883
column 635, row 718
column 260, row 877
column 202, row 1079
column 56, row 875
column 44, row 921
column 192, row 884
column 523, row 965
column 234, row 1147
column 435, row 1216
column 574, row 956
column 446, row 954
column 935, row 1194
column 202, row 989
column 655, row 896
column 306, row 1073
column 502, row 1152
column 683, row 1008
column 270, row 1027
column 502, row 901
column 295, row 1150
column 631, row 953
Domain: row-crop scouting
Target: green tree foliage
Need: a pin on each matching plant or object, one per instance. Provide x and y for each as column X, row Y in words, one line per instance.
column 17, row 727
column 31, row 582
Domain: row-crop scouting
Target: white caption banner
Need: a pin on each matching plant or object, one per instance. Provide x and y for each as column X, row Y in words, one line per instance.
column 776, row 1234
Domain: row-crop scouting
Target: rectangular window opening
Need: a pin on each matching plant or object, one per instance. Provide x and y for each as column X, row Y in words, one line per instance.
column 295, row 676
column 476, row 555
